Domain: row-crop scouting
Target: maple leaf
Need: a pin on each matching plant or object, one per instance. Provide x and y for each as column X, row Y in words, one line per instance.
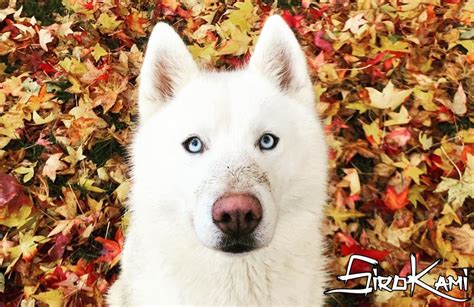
column 463, row 238
column 98, row 52
column 111, row 249
column 45, row 37
column 28, row 244
column 320, row 42
column 354, row 23
column 9, row 189
column 136, row 23
column 107, row 23
column 52, row 165
column 373, row 132
column 400, row 118
column 351, row 180
column 27, row 171
column 395, row 201
column 425, row 141
column 399, row 136
column 242, row 16
column 389, row 98
column 64, row 29
column 459, row 189
column 54, row 298
column 238, row 44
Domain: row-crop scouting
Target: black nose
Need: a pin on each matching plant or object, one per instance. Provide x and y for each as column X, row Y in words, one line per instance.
column 237, row 214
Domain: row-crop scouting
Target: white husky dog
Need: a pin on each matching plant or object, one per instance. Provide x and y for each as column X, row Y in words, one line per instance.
column 229, row 180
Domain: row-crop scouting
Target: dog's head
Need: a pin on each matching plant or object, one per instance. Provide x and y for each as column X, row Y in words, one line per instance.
column 229, row 154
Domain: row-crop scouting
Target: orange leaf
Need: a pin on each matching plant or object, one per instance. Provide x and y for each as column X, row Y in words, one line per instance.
column 394, row 200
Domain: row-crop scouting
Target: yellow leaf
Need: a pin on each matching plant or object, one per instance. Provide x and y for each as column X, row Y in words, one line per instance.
column 357, row 105
column 28, row 172
column 449, row 215
column 28, row 244
column 425, row 98
column 398, row 118
column 389, row 98
column 373, row 131
column 54, row 298
column 75, row 88
column 242, row 16
column 467, row 135
column 98, row 52
column 121, row 191
column 339, row 216
column 74, row 156
column 95, row 206
column 414, row 173
column 38, row 120
column 425, row 141
column 388, row 45
column 88, row 184
column 238, row 44
column 208, row 52
column 107, row 23
column 468, row 44
column 17, row 218
column 66, row 64
column 415, row 195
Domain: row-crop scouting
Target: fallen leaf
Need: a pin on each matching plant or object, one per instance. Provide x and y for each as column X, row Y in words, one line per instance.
column 389, row 98
column 45, row 37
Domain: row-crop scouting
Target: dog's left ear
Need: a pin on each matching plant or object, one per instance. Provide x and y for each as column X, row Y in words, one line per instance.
column 166, row 68
column 279, row 57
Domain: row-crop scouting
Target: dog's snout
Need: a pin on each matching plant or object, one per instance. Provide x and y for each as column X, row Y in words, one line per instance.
column 237, row 214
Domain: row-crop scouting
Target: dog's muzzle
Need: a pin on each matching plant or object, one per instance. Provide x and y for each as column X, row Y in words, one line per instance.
column 237, row 216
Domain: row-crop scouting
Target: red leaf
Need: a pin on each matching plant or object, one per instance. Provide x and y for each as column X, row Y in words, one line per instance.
column 111, row 249
column 321, row 43
column 51, row 279
column 89, row 5
column 60, row 243
column 47, row 67
column 293, row 21
column 398, row 137
column 361, row 266
column 395, row 201
column 316, row 14
column 407, row 267
column 9, row 189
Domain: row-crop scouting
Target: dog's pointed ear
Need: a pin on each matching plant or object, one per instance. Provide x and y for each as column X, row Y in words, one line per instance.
column 167, row 66
column 279, row 57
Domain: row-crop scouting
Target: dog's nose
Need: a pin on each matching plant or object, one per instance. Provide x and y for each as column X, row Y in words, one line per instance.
column 237, row 214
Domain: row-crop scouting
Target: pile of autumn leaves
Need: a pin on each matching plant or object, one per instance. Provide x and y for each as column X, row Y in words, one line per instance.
column 395, row 84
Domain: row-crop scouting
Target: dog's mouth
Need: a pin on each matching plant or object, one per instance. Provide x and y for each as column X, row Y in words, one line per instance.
column 237, row 245
column 237, row 248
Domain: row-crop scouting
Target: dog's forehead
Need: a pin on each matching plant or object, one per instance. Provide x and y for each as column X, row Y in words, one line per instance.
column 233, row 92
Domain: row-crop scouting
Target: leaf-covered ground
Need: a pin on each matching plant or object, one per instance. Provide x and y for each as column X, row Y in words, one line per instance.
column 395, row 81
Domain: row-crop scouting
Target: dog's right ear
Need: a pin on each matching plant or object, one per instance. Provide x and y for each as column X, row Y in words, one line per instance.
column 167, row 66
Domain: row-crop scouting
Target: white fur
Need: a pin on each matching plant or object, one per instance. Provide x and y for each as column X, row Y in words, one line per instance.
column 169, row 255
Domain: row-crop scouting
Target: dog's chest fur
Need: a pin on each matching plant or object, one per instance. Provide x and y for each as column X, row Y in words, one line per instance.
column 276, row 276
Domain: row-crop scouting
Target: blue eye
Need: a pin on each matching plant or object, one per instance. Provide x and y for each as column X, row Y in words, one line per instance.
column 268, row 141
column 193, row 145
